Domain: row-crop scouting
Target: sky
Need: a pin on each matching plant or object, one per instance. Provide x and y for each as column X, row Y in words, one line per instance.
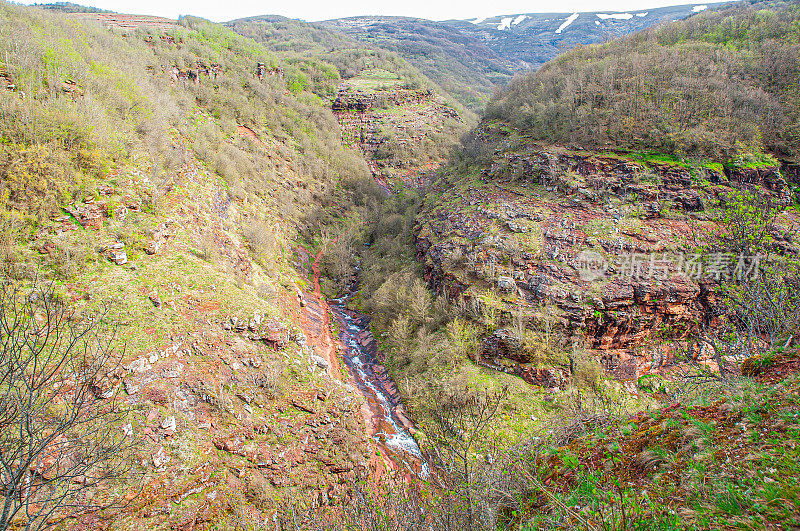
column 314, row 10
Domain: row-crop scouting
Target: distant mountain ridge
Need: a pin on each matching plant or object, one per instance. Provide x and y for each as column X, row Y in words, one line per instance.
column 472, row 57
column 528, row 40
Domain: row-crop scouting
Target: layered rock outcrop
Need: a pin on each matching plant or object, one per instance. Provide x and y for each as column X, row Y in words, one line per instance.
column 390, row 126
column 608, row 242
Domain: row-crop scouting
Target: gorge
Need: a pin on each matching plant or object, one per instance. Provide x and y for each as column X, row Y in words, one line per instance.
column 388, row 273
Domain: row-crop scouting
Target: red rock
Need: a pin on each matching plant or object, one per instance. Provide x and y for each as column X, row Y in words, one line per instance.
column 232, row 444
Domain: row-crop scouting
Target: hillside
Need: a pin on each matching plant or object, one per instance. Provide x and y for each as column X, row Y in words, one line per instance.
column 460, row 63
column 721, row 84
column 405, row 124
column 514, row 222
column 180, row 177
column 470, row 58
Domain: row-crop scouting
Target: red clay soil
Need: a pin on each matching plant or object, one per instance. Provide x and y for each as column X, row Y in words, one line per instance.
column 315, row 321
column 243, row 130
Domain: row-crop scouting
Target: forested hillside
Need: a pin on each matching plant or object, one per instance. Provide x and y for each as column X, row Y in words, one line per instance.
column 721, row 84
column 404, row 122
column 458, row 62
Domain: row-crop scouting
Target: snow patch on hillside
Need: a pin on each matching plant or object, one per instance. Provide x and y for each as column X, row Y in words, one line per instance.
column 697, row 9
column 616, row 16
column 642, row 14
column 567, row 22
column 505, row 23
column 519, row 19
column 479, row 20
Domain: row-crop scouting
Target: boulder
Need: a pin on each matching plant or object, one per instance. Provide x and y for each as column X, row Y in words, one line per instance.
column 547, row 377
column 160, row 458
column 506, row 284
column 169, row 423
column 502, row 344
column 232, row 444
column 320, row 362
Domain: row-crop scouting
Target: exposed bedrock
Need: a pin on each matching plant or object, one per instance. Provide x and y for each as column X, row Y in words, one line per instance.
column 608, row 243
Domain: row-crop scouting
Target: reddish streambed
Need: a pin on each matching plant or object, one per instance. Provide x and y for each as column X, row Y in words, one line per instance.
column 390, row 422
column 386, row 418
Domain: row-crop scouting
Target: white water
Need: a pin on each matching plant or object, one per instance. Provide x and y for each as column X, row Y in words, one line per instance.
column 361, row 363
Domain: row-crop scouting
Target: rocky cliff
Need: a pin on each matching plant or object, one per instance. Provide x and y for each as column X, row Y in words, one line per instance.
column 609, row 241
column 404, row 134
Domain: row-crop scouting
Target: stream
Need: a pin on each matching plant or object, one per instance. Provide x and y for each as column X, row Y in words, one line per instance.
column 391, row 423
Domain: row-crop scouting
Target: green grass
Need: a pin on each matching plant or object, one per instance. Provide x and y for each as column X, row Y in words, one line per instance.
column 742, row 472
column 374, row 80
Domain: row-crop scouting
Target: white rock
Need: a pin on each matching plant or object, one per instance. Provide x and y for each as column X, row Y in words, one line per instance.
column 506, row 284
column 320, row 362
column 169, row 423
column 140, row 365
column 160, row 458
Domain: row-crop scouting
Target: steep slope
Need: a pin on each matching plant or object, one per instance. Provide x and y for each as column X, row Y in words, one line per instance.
column 605, row 242
column 550, row 262
column 601, row 267
column 189, row 179
column 165, row 172
column 722, row 84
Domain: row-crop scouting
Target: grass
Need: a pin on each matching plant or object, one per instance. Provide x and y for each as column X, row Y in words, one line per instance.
column 375, row 80
column 743, row 472
column 753, row 161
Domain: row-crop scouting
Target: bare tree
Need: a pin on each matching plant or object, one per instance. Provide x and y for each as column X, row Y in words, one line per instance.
column 60, row 437
column 461, row 427
column 757, row 306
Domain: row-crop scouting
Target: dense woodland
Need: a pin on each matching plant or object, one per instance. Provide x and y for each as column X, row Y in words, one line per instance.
column 719, row 84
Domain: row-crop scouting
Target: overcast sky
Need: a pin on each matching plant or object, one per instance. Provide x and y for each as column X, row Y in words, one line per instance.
column 313, row 10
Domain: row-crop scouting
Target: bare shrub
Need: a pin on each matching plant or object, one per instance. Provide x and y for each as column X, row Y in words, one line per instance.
column 262, row 239
column 60, row 436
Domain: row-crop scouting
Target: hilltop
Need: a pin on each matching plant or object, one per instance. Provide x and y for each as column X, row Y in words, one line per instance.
column 719, row 84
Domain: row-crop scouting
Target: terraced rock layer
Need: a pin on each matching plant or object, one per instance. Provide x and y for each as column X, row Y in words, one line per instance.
column 530, row 222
